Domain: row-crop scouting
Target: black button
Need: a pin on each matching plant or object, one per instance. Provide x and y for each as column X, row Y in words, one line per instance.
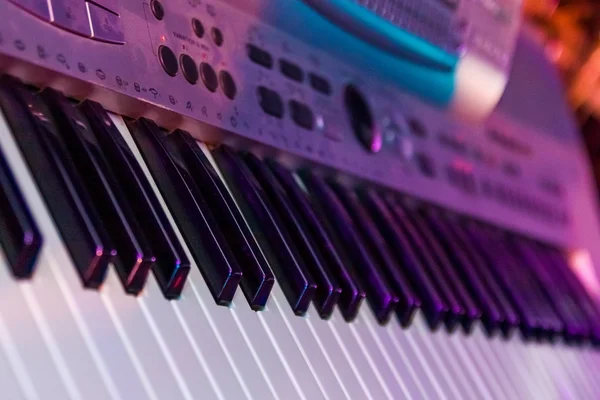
column 291, row 70
column 188, row 67
column 302, row 115
column 228, row 84
column 425, row 165
column 319, row 83
column 157, row 9
column 417, row 128
column 270, row 102
column 209, row 77
column 168, row 60
column 20, row 238
column 217, row 36
column 198, row 28
column 259, row 56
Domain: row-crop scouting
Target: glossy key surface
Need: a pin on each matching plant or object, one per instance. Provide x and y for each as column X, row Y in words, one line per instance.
column 56, row 176
column 171, row 265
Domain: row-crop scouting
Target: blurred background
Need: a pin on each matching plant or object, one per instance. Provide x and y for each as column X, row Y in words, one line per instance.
column 570, row 32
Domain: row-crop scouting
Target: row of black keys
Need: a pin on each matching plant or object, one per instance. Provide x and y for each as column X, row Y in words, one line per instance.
column 325, row 243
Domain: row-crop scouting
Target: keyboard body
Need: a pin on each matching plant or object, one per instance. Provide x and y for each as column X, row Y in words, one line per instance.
column 528, row 165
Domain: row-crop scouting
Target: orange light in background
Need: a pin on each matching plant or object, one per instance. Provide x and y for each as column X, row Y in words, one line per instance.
column 581, row 263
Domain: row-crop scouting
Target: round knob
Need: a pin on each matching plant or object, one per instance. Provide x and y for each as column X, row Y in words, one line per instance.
column 361, row 120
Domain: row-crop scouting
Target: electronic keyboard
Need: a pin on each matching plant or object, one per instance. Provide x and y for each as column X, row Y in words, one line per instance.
column 196, row 204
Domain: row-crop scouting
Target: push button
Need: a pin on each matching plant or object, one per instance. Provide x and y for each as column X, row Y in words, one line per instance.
column 302, row 115
column 228, row 84
column 105, row 25
column 259, row 56
column 291, row 70
column 319, row 84
column 198, row 28
column 217, row 36
column 157, row 9
column 71, row 15
column 188, row 67
column 270, row 102
column 36, row 7
column 168, row 60
column 209, row 77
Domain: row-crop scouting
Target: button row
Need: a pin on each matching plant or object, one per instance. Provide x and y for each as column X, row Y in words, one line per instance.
column 256, row 221
column 192, row 73
column 288, row 69
column 271, row 103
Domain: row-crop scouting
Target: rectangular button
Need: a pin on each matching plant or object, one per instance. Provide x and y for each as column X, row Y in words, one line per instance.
column 110, row 5
column 19, row 235
column 319, row 84
column 298, row 288
column 134, row 257
column 382, row 301
column 291, row 70
column 36, row 7
column 328, row 291
column 335, row 260
column 105, row 26
column 257, row 278
column 302, row 115
column 220, row 270
column 171, row 266
column 259, row 56
column 71, row 15
column 270, row 102
column 58, row 181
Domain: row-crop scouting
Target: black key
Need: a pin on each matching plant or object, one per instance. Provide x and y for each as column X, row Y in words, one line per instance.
column 555, row 292
column 134, row 258
column 328, row 291
column 257, row 278
column 456, row 312
column 509, row 317
column 206, row 243
column 19, row 235
column 171, row 266
column 385, row 263
column 56, row 177
column 456, row 284
column 298, row 287
column 433, row 305
column 558, row 264
column 504, row 271
column 324, row 239
column 381, row 299
column 491, row 316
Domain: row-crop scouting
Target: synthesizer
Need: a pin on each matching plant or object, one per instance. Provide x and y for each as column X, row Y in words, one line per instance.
column 257, row 199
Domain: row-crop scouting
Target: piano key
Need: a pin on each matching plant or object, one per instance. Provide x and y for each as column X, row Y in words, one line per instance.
column 382, row 301
column 220, row 271
column 351, row 297
column 328, row 291
column 457, row 286
column 257, row 279
column 134, row 257
column 456, row 312
column 557, row 263
column 58, row 181
column 432, row 304
column 266, row 226
column 81, row 342
column 386, row 265
column 491, row 315
column 555, row 292
column 171, row 262
column 498, row 266
column 19, row 236
column 509, row 318
column 229, row 325
column 15, row 383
